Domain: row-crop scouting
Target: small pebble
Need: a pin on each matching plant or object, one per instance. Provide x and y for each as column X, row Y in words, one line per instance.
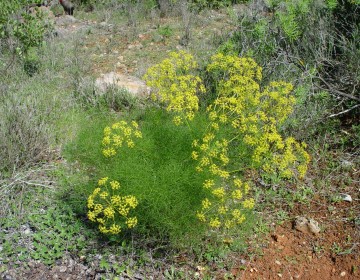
column 346, row 197
column 342, row 274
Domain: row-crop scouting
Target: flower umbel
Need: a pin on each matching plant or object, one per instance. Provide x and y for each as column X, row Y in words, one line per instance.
column 176, row 86
column 109, row 209
column 119, row 134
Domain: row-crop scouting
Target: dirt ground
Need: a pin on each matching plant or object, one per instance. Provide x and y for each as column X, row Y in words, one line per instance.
column 333, row 253
column 291, row 254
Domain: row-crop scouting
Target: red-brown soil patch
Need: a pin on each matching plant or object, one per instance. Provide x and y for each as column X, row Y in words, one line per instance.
column 291, row 254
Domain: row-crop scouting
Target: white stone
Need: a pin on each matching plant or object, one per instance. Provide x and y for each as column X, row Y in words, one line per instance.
column 132, row 84
column 346, row 197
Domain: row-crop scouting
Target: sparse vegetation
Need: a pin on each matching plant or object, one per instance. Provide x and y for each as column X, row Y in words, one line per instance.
column 188, row 182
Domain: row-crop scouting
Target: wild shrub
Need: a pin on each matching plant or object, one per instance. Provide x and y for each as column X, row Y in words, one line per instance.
column 22, row 32
column 252, row 117
column 240, row 137
column 114, row 98
column 31, row 109
column 313, row 44
column 24, row 131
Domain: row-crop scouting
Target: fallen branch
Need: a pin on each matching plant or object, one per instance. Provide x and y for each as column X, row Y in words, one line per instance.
column 330, row 88
column 344, row 112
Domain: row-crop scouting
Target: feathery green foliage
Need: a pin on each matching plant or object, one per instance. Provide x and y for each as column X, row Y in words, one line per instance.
column 180, row 169
column 157, row 170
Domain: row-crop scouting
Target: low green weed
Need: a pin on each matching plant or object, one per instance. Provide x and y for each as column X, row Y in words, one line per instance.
column 213, row 4
column 46, row 233
column 56, row 232
column 165, row 31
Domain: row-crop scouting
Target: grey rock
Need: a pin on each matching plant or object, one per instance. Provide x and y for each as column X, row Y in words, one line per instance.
column 301, row 224
column 26, row 229
column 346, row 197
column 65, row 20
column 313, row 226
column 306, row 225
column 138, row 276
column 346, row 163
column 133, row 85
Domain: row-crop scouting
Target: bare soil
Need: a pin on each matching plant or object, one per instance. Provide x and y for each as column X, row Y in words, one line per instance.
column 290, row 254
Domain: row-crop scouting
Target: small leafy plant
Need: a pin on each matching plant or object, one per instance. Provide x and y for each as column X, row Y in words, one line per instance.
column 25, row 29
column 165, row 31
column 44, row 236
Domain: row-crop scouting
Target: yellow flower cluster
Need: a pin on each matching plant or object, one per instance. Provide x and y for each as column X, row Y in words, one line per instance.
column 212, row 155
column 252, row 118
column 118, row 134
column 227, row 67
column 175, row 86
column 225, row 206
column 291, row 158
column 109, row 209
column 256, row 116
